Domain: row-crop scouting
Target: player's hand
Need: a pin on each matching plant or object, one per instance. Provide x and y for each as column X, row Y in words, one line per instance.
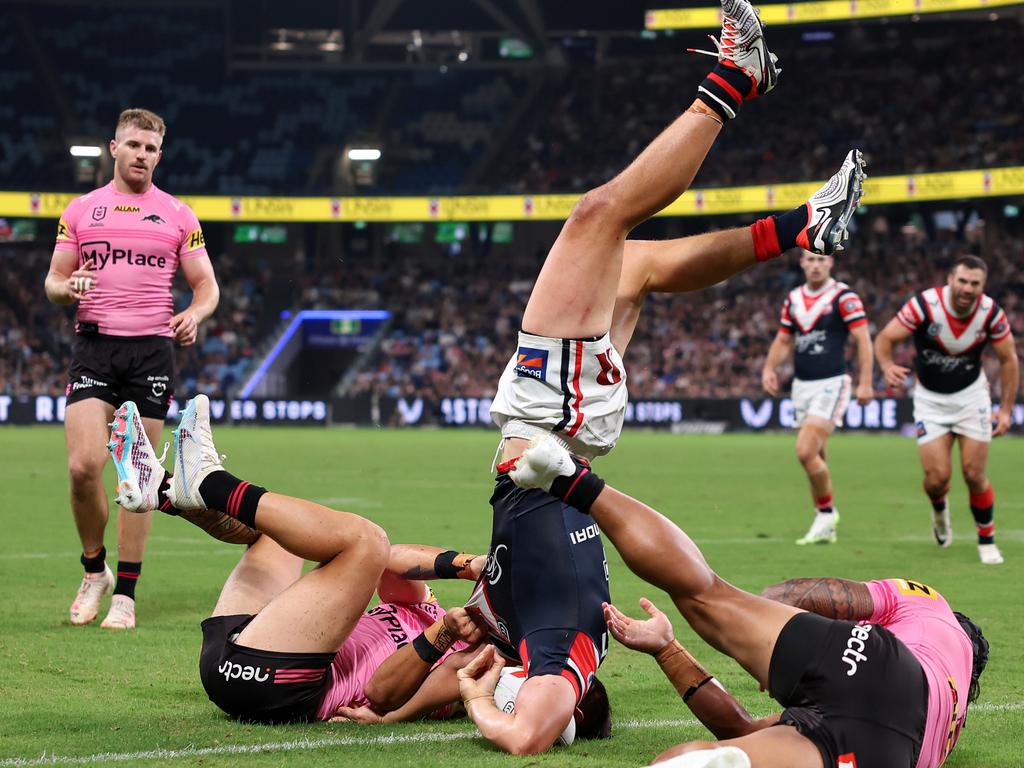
column 770, row 382
column 478, row 678
column 362, row 715
column 1003, row 422
column 865, row 393
column 649, row 636
column 79, row 283
column 460, row 623
column 475, row 567
column 185, row 328
column 895, row 375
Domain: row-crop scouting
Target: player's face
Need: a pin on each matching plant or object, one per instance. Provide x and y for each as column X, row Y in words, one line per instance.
column 817, row 268
column 136, row 153
column 966, row 285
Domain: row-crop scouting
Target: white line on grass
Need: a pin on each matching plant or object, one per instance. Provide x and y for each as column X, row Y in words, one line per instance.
column 339, row 741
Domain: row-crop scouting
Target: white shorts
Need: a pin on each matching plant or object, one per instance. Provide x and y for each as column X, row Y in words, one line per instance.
column 827, row 399
column 572, row 388
column 967, row 412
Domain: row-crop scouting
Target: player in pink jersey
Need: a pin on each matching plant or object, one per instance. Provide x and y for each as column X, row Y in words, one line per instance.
column 951, row 326
column 117, row 250
column 286, row 647
column 870, row 674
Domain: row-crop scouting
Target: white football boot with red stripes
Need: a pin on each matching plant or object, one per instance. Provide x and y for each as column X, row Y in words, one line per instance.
column 86, row 605
column 195, row 455
column 742, row 45
column 830, row 208
column 139, row 470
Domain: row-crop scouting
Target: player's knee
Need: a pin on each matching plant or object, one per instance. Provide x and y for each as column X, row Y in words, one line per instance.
column 596, row 208
column 936, row 481
column 807, row 453
column 84, row 471
column 974, row 476
column 684, row 748
column 371, row 539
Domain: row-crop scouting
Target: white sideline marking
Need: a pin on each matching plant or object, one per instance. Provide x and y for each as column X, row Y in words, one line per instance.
column 339, row 741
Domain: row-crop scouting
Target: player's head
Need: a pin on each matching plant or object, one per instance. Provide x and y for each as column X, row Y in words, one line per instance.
column 136, row 146
column 817, row 267
column 594, row 713
column 966, row 281
column 980, row 652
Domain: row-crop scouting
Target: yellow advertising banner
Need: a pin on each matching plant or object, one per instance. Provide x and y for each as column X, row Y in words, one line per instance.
column 954, row 185
column 809, row 12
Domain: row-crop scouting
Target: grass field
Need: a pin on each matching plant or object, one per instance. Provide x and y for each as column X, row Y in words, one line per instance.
column 73, row 695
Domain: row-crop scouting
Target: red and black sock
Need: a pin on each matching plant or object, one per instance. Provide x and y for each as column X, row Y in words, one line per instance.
column 127, row 578
column 95, row 564
column 725, row 89
column 823, row 504
column 581, row 489
column 776, row 234
column 983, row 508
column 165, row 505
column 223, row 491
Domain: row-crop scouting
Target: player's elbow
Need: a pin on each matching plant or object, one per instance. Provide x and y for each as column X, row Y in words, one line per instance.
column 528, row 742
column 380, row 697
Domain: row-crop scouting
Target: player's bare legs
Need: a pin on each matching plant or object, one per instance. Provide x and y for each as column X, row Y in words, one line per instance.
column 973, row 460
column 810, row 451
column 936, row 461
column 85, row 431
column 266, row 570
column 780, row 747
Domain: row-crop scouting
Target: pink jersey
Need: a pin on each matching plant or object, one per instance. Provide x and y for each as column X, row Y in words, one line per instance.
column 134, row 244
column 381, row 631
column 921, row 618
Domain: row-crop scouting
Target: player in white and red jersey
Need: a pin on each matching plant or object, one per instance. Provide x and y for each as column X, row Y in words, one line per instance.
column 117, row 250
column 875, row 674
column 951, row 326
column 817, row 318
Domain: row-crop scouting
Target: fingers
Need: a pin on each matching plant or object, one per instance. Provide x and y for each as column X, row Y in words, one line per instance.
column 651, row 608
column 478, row 664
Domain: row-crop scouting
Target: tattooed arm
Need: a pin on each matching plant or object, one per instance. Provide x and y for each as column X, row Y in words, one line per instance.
column 831, row 598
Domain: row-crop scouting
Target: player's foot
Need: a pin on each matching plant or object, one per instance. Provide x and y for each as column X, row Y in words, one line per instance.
column 94, row 586
column 742, row 46
column 721, row 757
column 121, row 614
column 139, row 471
column 822, row 530
column 542, row 463
column 942, row 526
column 195, row 455
column 990, row 554
column 830, row 208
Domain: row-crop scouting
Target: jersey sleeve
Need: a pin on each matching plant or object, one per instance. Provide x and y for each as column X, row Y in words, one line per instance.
column 785, row 320
column 889, row 595
column 67, row 236
column 998, row 325
column 851, row 309
column 910, row 315
column 193, row 242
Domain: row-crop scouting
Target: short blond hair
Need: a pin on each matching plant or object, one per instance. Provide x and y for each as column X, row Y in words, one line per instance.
column 141, row 118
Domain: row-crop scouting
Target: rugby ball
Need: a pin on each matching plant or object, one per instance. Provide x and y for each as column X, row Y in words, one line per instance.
column 506, row 691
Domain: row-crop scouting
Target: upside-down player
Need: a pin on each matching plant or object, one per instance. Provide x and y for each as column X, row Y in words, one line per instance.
column 546, row 578
column 951, row 326
column 870, row 674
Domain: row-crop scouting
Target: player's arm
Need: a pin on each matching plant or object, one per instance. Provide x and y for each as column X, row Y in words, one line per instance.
column 198, row 272
column 710, row 703
column 778, row 352
column 544, row 706
column 865, row 364
column 892, row 334
column 60, row 284
column 410, row 564
column 1009, row 381
column 404, row 671
column 831, row 598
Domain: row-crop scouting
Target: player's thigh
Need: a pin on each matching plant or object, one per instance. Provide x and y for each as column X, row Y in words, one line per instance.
column 266, row 570
column 86, row 432
column 775, row 747
column 739, row 624
column 973, row 455
column 936, row 455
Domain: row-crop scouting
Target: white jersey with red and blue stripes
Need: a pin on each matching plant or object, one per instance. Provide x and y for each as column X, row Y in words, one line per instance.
column 820, row 322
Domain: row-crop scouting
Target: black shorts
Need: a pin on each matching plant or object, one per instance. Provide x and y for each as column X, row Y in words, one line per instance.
column 545, row 580
column 259, row 686
column 119, row 368
column 852, row 689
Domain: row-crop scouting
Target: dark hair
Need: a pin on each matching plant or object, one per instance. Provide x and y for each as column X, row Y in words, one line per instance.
column 980, row 648
column 594, row 713
column 971, row 262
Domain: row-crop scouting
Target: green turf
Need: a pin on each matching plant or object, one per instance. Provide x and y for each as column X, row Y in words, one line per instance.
column 68, row 691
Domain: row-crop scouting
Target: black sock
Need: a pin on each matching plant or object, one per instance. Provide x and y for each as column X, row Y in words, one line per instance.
column 165, row 505
column 939, row 505
column 223, row 491
column 789, row 225
column 127, row 578
column 95, row 564
column 724, row 90
column 580, row 490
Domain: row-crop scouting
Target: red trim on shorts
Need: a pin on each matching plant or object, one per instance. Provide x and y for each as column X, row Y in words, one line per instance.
column 576, row 388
